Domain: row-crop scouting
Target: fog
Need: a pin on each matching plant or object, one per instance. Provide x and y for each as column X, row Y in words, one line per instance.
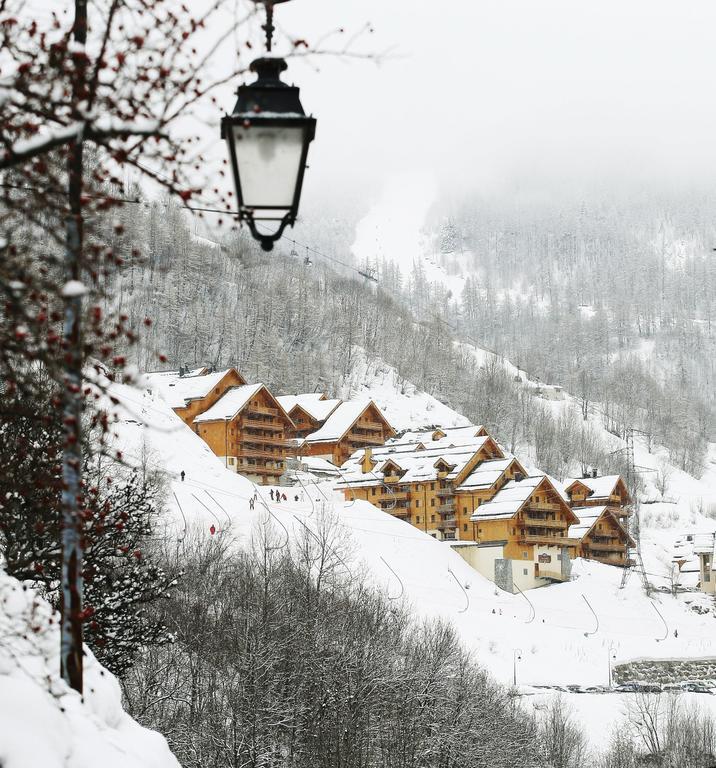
column 545, row 98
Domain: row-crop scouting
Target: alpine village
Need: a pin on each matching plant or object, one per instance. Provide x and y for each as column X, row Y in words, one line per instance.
column 457, row 484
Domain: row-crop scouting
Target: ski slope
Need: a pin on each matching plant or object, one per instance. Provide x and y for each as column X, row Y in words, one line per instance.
column 562, row 634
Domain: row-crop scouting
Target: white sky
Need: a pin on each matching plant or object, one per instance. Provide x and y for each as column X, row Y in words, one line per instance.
column 504, row 94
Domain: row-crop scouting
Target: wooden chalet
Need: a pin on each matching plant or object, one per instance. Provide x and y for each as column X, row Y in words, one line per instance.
column 601, row 536
column 192, row 392
column 417, row 481
column 526, row 514
column 605, row 491
column 350, row 425
column 308, row 412
column 247, row 428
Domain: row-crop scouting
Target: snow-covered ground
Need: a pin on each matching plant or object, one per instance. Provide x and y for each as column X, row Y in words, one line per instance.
column 44, row 724
column 563, row 634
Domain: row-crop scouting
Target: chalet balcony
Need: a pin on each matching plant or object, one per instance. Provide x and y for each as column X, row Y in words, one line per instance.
column 448, row 505
column 442, row 492
column 259, row 469
column 248, row 453
column 374, row 425
column 402, row 512
column 358, row 440
column 262, row 410
column 543, row 506
column 392, row 495
column 263, row 440
column 601, row 546
column 270, row 426
column 552, row 541
column 540, row 522
column 447, row 523
column 391, row 478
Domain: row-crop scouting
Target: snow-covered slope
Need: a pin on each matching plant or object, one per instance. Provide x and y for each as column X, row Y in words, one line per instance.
column 43, row 724
column 563, row 634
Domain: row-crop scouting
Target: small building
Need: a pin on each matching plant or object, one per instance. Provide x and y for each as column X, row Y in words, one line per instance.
column 308, row 412
column 597, row 491
column 705, row 550
column 349, row 426
column 191, row 392
column 247, row 429
column 601, row 536
column 526, row 515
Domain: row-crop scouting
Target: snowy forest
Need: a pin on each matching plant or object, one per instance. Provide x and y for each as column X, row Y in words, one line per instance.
column 564, row 310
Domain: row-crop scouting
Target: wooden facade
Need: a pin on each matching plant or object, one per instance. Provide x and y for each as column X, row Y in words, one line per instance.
column 248, row 429
column 602, row 536
column 352, row 425
column 194, row 406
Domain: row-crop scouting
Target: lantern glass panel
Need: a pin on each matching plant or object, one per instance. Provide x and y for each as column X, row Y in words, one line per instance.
column 269, row 161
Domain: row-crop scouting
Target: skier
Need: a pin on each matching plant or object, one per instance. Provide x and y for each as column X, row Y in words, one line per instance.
column 182, row 474
column 283, row 497
column 251, row 503
column 271, row 494
column 295, row 498
column 676, row 633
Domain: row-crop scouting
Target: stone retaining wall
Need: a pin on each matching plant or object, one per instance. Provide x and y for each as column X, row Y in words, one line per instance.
column 663, row 671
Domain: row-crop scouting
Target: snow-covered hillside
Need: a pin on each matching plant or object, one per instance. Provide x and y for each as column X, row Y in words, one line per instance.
column 43, row 724
column 562, row 634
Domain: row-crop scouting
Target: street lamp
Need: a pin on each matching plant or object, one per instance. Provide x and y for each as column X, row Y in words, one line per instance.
column 516, row 656
column 268, row 135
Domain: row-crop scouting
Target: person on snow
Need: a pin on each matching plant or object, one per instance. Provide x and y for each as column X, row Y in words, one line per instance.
column 271, row 494
column 295, row 498
column 283, row 497
column 182, row 474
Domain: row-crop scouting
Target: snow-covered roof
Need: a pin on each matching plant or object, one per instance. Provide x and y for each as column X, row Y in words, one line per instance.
column 486, row 474
column 314, row 403
column 418, row 465
column 178, row 390
column 508, row 501
column 704, row 543
column 317, row 464
column 339, row 422
column 451, row 434
column 587, row 517
column 229, row 404
column 600, row 487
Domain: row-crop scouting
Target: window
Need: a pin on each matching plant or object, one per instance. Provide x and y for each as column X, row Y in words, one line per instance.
column 524, row 571
column 432, row 486
column 372, row 491
column 464, row 526
column 525, row 555
column 417, row 518
column 432, row 518
column 464, row 510
column 432, row 502
column 417, row 503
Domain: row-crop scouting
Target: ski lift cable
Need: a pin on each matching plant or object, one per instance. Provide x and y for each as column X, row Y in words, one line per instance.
column 176, row 498
column 596, row 629
column 464, row 591
column 213, row 514
column 533, row 612
column 666, row 626
column 228, row 517
column 400, row 581
column 330, row 548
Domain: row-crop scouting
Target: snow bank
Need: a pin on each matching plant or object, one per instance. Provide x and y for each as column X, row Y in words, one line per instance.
column 44, row 724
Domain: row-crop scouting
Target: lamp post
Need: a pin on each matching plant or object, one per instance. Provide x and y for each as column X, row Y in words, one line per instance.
column 268, row 134
column 612, row 655
column 516, row 656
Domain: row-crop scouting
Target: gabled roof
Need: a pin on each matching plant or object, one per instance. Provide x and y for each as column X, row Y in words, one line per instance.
column 588, row 518
column 315, row 404
column 445, row 435
column 178, row 391
column 487, row 473
column 233, row 401
column 600, row 487
column 508, row 501
column 341, row 420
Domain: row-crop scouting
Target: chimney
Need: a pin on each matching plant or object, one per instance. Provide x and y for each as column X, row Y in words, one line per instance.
column 367, row 461
column 519, row 477
column 594, row 473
